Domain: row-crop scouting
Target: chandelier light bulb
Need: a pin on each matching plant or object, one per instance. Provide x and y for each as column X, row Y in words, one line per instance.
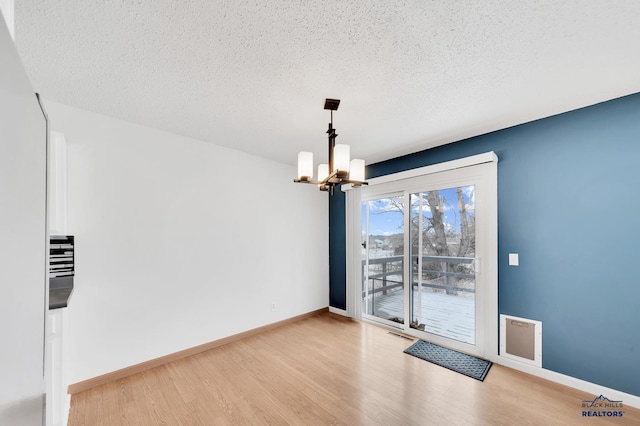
column 323, row 171
column 341, row 157
column 305, row 165
column 356, row 170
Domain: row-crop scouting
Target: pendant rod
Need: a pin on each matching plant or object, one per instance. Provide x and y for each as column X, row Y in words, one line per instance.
column 332, row 143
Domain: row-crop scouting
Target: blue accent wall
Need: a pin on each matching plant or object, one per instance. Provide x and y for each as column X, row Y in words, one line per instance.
column 569, row 204
column 337, row 251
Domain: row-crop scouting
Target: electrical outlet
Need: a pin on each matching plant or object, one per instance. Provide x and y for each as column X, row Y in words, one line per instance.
column 273, row 306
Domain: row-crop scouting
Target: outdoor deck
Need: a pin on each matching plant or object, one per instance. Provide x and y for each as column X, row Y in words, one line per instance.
column 445, row 315
column 447, row 298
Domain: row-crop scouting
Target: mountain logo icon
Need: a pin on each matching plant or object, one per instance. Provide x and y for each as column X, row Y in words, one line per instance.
column 600, row 401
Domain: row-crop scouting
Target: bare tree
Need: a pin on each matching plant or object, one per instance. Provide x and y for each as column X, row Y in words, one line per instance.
column 467, row 226
column 436, row 205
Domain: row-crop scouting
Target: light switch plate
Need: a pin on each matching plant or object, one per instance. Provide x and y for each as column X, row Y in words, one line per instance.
column 514, row 259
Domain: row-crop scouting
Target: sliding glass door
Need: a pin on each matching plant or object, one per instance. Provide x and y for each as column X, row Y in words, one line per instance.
column 442, row 247
column 421, row 243
column 383, row 259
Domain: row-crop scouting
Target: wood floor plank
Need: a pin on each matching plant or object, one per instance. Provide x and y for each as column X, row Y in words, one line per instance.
column 94, row 413
column 327, row 370
column 127, row 413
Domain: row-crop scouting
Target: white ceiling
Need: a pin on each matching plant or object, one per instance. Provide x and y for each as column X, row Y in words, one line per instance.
column 253, row 75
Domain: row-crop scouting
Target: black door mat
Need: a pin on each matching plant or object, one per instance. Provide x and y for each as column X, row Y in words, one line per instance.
column 448, row 358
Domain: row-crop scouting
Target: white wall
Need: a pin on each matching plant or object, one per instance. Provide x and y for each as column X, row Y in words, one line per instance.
column 180, row 242
column 7, row 7
column 57, row 184
column 23, row 236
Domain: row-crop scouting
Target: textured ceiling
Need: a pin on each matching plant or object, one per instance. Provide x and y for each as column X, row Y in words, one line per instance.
column 253, row 75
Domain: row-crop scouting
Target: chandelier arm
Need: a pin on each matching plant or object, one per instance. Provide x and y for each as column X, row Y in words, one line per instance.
column 329, row 180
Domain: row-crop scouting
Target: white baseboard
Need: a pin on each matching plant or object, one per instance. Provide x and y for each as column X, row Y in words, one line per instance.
column 592, row 388
column 338, row 311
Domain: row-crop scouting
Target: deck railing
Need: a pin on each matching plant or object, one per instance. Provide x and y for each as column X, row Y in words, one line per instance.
column 389, row 274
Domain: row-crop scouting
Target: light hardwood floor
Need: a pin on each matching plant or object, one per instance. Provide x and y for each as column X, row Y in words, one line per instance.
column 327, row 370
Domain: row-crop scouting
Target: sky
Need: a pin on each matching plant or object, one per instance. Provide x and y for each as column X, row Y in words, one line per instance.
column 385, row 217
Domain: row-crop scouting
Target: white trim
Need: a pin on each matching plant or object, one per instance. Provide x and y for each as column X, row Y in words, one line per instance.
column 398, row 326
column 353, row 272
column 338, row 311
column 592, row 388
column 490, row 262
column 487, row 157
column 58, row 187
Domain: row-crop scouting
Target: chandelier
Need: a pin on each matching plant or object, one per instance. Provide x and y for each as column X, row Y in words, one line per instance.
column 339, row 170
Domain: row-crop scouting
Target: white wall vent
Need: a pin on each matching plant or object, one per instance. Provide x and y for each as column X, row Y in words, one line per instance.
column 521, row 340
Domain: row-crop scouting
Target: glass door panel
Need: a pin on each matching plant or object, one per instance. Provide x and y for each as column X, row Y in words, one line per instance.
column 442, row 251
column 383, row 259
column 426, row 235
